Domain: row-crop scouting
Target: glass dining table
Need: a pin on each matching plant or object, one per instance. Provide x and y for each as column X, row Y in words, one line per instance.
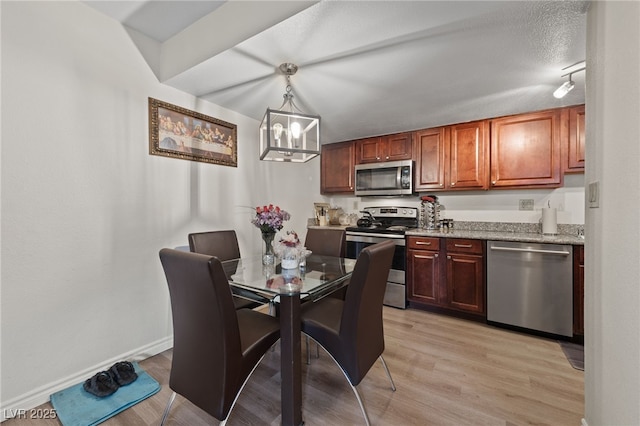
column 315, row 279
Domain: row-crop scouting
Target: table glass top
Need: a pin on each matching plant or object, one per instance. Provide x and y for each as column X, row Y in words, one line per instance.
column 321, row 275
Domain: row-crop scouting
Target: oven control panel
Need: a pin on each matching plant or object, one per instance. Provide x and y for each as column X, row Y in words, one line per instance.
column 398, row 212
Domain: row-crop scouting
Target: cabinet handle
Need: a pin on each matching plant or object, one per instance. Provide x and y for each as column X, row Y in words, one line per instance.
column 387, row 157
column 442, row 184
column 449, row 257
column 493, row 182
column 423, row 243
column 377, row 158
column 417, row 256
column 463, row 245
column 435, row 255
column 453, row 184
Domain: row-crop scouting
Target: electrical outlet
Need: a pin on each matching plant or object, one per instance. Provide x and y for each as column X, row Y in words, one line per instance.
column 526, row 204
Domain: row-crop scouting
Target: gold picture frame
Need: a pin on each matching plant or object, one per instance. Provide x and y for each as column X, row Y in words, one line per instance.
column 177, row 132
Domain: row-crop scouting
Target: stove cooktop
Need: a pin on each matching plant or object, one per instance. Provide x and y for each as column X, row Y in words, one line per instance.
column 389, row 220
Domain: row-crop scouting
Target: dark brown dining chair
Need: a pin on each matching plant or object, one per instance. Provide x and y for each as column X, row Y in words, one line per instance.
column 325, row 242
column 224, row 246
column 215, row 346
column 351, row 331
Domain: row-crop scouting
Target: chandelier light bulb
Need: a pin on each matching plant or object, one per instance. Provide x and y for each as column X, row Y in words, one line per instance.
column 277, row 131
column 295, row 130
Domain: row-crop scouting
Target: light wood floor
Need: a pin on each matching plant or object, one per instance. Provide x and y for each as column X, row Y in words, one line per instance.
column 447, row 372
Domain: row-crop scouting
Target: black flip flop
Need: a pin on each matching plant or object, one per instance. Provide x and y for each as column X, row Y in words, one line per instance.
column 123, row 373
column 101, row 384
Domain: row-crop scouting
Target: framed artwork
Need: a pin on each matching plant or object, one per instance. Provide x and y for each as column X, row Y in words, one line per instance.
column 180, row 133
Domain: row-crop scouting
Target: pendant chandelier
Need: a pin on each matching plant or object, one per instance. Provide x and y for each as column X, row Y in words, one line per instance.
column 287, row 134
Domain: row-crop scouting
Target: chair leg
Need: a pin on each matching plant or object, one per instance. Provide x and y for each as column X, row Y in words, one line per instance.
column 309, row 351
column 364, row 411
column 233, row 404
column 166, row 410
column 355, row 391
column 386, row 369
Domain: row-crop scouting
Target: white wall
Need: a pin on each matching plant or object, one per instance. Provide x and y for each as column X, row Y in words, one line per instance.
column 85, row 208
column 612, row 245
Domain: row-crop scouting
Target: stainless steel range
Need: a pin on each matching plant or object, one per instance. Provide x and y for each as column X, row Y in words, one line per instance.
column 380, row 224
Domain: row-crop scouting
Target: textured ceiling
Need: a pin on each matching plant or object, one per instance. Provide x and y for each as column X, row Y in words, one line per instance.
column 367, row 68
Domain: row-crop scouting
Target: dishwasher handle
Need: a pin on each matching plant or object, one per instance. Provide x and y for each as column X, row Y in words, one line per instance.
column 528, row 250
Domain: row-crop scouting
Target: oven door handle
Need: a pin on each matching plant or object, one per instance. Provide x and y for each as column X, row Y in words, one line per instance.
column 363, row 237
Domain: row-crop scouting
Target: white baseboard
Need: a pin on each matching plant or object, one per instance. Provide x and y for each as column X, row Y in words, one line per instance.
column 40, row 395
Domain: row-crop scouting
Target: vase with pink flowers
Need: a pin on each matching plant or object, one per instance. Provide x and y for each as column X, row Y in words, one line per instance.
column 269, row 219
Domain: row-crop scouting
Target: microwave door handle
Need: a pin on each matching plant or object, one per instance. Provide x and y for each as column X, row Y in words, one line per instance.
column 399, row 178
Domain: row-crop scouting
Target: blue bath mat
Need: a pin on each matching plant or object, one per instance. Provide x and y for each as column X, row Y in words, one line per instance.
column 77, row 407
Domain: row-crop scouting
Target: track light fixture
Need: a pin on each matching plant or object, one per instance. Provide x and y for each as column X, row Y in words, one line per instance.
column 289, row 135
column 567, row 86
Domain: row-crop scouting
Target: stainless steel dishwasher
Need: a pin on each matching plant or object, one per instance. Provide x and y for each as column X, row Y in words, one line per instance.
column 530, row 285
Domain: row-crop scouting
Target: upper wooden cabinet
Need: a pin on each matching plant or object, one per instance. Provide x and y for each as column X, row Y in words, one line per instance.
column 429, row 158
column 575, row 143
column 384, row 148
column 337, row 168
column 468, row 156
column 452, row 157
column 525, row 150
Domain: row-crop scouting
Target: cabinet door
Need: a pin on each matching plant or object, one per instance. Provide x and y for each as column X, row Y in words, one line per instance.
column 429, row 156
column 397, row 147
column 384, row 148
column 468, row 156
column 369, row 150
column 576, row 140
column 465, row 282
column 337, row 168
column 423, row 276
column 525, row 151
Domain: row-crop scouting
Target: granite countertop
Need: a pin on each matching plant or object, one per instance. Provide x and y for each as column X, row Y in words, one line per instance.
column 527, row 237
column 498, row 231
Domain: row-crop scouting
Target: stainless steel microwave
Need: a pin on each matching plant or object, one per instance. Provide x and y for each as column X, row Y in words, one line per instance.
column 389, row 178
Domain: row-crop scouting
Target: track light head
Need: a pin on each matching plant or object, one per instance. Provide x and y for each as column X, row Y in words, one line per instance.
column 568, row 86
column 564, row 89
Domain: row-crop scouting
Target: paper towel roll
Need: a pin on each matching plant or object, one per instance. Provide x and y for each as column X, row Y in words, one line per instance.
column 549, row 221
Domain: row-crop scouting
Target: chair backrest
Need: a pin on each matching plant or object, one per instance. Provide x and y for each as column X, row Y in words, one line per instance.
column 325, row 242
column 361, row 329
column 222, row 244
column 206, row 362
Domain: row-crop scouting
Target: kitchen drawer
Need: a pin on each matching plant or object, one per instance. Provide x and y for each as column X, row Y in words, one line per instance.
column 460, row 245
column 423, row 243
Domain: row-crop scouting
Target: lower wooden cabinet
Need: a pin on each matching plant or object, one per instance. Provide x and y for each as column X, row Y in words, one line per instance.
column 446, row 273
column 465, row 275
column 423, row 270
